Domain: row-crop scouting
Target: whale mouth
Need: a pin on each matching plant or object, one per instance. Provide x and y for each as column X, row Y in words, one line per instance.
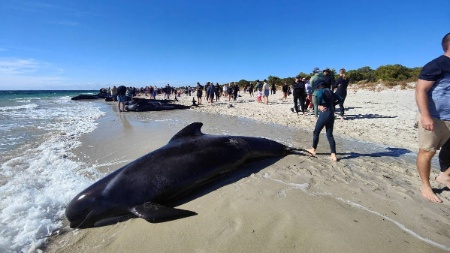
column 91, row 219
column 77, row 221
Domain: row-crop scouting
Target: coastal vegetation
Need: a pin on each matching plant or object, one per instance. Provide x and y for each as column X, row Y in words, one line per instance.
column 388, row 75
column 367, row 78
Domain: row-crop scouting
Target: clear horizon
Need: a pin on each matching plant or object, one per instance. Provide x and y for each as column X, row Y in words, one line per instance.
column 85, row 45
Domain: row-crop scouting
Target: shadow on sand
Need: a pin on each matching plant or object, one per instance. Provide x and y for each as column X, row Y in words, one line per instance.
column 367, row 116
column 439, row 191
column 391, row 152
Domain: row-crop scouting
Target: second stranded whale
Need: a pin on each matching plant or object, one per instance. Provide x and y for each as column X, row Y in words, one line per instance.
column 149, row 186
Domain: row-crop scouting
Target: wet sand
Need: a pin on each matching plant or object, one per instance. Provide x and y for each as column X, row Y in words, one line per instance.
column 367, row 202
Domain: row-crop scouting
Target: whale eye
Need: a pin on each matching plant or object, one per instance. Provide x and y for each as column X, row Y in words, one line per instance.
column 82, row 196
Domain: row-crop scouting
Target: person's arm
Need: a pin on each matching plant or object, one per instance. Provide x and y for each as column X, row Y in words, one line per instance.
column 337, row 84
column 319, row 101
column 422, row 88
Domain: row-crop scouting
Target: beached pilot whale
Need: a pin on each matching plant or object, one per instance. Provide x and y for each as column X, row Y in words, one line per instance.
column 148, row 186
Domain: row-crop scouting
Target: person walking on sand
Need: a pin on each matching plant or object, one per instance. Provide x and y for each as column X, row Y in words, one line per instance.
column 230, row 91
column 308, row 90
column 199, row 93
column 432, row 98
column 266, row 91
column 285, row 88
column 211, row 92
column 235, row 91
column 341, row 90
column 299, row 94
column 325, row 105
column 225, row 90
column 329, row 78
column 217, row 91
column 250, row 90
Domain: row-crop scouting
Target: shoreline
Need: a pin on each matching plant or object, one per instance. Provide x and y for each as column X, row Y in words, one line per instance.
column 369, row 200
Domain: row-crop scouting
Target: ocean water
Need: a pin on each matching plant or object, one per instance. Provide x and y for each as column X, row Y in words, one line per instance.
column 39, row 174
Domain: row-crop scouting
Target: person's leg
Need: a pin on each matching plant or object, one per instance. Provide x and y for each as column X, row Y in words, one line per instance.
column 320, row 124
column 424, row 167
column 444, row 162
column 307, row 102
column 302, row 103
column 314, row 100
column 329, row 131
column 341, row 106
column 296, row 103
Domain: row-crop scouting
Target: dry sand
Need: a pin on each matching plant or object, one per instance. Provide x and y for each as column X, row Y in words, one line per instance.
column 367, row 202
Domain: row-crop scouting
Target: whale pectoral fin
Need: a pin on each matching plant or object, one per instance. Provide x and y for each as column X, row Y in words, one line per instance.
column 154, row 213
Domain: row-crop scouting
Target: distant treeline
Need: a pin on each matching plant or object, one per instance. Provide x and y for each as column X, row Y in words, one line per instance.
column 387, row 74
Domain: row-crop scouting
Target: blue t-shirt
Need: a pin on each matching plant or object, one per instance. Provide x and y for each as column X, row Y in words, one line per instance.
column 438, row 70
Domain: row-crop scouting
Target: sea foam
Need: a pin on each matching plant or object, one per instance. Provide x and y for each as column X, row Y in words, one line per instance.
column 37, row 184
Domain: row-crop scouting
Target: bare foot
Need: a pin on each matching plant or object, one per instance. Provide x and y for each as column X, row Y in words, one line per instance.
column 444, row 179
column 333, row 157
column 428, row 193
column 312, row 151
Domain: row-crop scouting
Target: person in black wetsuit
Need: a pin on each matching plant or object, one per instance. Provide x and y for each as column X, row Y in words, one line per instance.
column 341, row 90
column 328, row 78
column 299, row 93
column 325, row 102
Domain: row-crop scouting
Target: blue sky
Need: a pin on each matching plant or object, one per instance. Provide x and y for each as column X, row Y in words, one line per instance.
column 87, row 44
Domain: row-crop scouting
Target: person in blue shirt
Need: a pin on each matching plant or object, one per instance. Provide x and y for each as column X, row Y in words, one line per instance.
column 325, row 105
column 432, row 98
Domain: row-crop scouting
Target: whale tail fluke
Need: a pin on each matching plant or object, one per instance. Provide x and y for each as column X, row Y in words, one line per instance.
column 155, row 213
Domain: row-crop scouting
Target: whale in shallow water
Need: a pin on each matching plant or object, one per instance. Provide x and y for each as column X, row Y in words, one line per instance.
column 149, row 186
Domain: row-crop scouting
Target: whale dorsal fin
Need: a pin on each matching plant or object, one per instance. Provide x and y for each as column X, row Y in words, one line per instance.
column 193, row 129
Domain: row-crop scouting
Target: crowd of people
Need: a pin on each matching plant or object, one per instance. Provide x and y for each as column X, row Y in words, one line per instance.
column 317, row 96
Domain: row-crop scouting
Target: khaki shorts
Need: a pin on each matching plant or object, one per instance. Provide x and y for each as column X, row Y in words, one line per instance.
column 433, row 140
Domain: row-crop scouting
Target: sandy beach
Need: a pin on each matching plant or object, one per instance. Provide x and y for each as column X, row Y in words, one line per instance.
column 368, row 201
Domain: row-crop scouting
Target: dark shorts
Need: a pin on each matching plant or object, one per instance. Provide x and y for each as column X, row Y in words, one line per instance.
column 122, row 98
